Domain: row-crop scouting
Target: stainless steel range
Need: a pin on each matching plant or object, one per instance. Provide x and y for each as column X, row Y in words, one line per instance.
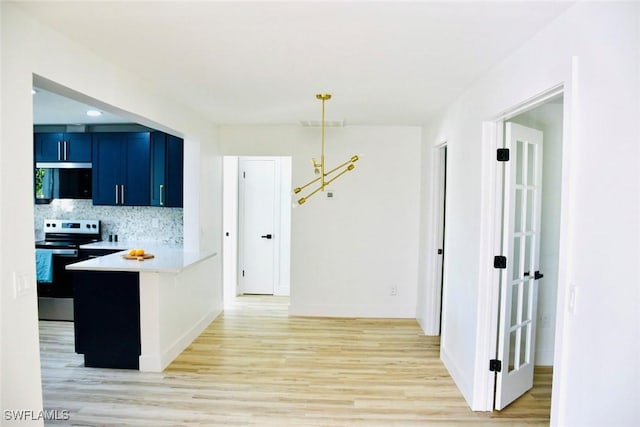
column 60, row 247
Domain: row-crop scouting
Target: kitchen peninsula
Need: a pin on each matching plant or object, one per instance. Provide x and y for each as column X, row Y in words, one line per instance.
column 142, row 314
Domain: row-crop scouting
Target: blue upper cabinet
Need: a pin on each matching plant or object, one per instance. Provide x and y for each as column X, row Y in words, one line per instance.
column 121, row 168
column 167, row 156
column 62, row 147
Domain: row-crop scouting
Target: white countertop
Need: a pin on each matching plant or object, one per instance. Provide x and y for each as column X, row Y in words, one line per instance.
column 167, row 259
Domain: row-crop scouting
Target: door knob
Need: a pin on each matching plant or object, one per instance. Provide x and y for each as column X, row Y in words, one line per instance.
column 267, row 236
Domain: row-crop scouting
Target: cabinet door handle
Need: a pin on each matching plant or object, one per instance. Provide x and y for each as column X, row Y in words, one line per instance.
column 122, row 194
column 117, row 195
column 59, row 150
column 161, row 194
column 65, row 150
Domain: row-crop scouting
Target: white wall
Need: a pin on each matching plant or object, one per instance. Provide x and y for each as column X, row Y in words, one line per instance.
column 593, row 50
column 28, row 48
column 346, row 253
column 548, row 119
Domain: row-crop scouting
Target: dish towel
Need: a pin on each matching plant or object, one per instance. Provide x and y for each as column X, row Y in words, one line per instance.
column 44, row 265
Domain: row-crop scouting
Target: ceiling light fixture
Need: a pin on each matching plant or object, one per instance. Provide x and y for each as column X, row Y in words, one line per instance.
column 94, row 113
column 319, row 167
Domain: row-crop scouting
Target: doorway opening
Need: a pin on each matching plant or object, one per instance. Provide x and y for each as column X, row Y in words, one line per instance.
column 441, row 224
column 430, row 307
column 257, row 226
column 529, row 206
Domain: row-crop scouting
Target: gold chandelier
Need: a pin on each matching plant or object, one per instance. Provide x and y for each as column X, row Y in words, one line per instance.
column 324, row 178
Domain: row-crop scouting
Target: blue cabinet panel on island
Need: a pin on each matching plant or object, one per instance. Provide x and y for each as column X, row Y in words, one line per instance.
column 121, row 168
column 106, row 308
column 62, row 147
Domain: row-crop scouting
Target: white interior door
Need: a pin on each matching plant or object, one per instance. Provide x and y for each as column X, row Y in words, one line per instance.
column 257, row 212
column 521, row 246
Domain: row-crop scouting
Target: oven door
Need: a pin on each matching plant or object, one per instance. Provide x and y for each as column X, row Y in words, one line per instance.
column 55, row 297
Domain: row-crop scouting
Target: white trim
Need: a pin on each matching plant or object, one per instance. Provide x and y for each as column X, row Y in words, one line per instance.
column 570, row 133
column 230, row 225
column 489, row 277
column 379, row 311
column 530, row 103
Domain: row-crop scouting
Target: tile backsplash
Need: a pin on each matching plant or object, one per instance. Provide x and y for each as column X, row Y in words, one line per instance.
column 130, row 223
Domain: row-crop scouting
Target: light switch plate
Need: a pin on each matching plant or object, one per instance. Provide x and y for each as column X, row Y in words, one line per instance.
column 22, row 285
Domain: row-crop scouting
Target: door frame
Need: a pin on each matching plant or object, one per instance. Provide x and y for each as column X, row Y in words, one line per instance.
column 233, row 224
column 491, row 245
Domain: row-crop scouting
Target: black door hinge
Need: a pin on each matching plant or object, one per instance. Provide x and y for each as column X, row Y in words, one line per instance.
column 244, row 174
column 503, row 155
column 242, row 273
column 495, row 365
column 500, row 261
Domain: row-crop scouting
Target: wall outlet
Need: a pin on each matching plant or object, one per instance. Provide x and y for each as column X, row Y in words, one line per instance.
column 393, row 290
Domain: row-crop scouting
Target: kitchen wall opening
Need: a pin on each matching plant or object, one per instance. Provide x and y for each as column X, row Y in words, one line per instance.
column 102, row 183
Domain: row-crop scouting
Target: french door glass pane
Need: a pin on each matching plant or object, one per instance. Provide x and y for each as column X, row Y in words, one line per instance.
column 517, row 270
column 514, row 305
column 529, row 207
column 526, row 299
column 524, row 344
column 531, row 158
column 519, row 162
column 528, row 253
column 512, row 350
column 518, row 211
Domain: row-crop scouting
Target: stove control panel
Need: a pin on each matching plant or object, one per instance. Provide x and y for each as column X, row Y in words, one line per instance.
column 72, row 226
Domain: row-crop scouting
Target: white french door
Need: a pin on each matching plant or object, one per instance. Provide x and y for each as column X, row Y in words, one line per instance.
column 521, row 246
column 257, row 217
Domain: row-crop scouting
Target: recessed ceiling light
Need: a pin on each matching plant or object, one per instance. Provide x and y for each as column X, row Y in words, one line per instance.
column 33, row 91
column 94, row 113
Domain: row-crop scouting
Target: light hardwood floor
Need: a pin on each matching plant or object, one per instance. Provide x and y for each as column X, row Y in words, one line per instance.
column 257, row 366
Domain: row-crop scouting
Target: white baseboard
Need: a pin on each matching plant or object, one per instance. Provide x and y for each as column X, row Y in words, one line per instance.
column 322, row 310
column 466, row 388
column 159, row 361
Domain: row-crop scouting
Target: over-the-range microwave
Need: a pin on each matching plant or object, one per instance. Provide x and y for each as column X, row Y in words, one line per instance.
column 62, row 181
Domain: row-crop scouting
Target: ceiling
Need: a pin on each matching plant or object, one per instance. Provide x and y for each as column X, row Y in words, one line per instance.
column 239, row 62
